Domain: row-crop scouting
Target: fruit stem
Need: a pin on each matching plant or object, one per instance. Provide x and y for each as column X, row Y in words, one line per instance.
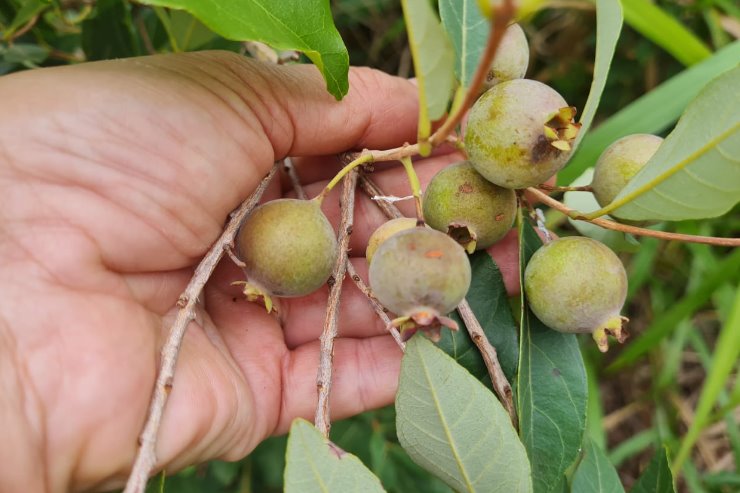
column 415, row 188
column 363, row 158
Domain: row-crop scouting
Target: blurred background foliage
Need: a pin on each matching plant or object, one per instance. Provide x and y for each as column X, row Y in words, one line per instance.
column 683, row 293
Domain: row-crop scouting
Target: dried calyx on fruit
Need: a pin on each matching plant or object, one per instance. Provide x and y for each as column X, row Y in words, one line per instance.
column 619, row 163
column 519, row 133
column 421, row 275
column 473, row 211
column 385, row 231
column 512, row 57
column 578, row 285
column 288, row 248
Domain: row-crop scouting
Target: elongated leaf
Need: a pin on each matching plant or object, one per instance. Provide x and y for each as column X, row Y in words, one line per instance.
column 434, row 62
column 665, row 31
column 468, row 30
column 552, row 391
column 657, row 478
column 454, row 427
column 488, row 299
column 303, row 25
column 28, row 10
column 595, row 473
column 653, row 112
column 110, row 32
column 695, row 173
column 315, row 464
column 608, row 27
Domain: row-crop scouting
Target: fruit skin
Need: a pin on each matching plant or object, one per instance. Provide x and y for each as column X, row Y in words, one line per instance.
column 385, row 231
column 519, row 133
column 619, row 163
column 512, row 57
column 289, row 247
column 577, row 285
column 460, row 202
column 420, row 273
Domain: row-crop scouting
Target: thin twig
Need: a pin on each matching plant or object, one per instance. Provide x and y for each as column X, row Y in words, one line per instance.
column 372, row 190
column 553, row 188
column 606, row 224
column 324, row 377
column 146, row 456
column 490, row 358
column 294, row 178
column 376, row 305
column 23, row 30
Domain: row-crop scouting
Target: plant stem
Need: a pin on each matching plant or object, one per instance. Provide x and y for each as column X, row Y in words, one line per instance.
column 415, row 189
column 552, row 188
column 372, row 190
column 606, row 224
column 331, row 321
column 294, row 179
column 146, row 456
column 362, row 158
column 500, row 18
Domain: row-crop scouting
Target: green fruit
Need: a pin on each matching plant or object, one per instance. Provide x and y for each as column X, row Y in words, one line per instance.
column 420, row 274
column 619, row 163
column 385, row 231
column 288, row 246
column 519, row 133
column 473, row 211
column 512, row 57
column 577, row 285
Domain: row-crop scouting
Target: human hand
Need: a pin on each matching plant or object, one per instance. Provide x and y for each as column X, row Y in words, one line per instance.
column 115, row 179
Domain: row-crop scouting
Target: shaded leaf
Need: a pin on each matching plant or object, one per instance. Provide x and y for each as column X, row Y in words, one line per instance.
column 595, row 472
column 454, row 427
column 608, row 27
column 109, row 33
column 28, row 10
column 468, row 30
column 489, row 301
column 24, row 53
column 315, row 464
column 303, row 25
column 695, row 173
column 653, row 112
column 657, row 478
column 552, row 390
column 434, row 62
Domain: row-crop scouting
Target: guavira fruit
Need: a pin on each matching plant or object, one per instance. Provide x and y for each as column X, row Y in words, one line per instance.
column 512, row 57
column 472, row 210
column 385, row 231
column 288, row 247
column 420, row 274
column 519, row 133
column 619, row 163
column 578, row 285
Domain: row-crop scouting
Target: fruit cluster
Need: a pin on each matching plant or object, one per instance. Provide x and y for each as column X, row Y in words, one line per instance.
column 519, row 134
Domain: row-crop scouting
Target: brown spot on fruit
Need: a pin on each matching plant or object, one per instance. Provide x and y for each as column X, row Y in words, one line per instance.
column 434, row 254
column 466, row 188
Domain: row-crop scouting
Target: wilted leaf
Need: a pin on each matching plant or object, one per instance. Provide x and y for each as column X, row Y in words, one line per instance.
column 454, row 427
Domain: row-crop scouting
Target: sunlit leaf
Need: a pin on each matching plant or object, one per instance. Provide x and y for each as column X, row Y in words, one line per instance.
column 595, row 473
column 303, row 25
column 454, row 427
column 695, row 173
column 316, row 465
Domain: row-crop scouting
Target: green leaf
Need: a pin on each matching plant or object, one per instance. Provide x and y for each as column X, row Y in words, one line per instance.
column 25, row 53
column 695, row 173
column 109, row 33
column 489, row 301
column 454, row 427
column 434, row 62
column 595, row 473
column 552, row 390
column 657, row 478
column 653, row 112
column 29, row 9
column 665, row 31
column 726, row 353
column 315, row 464
column 586, row 202
column 468, row 30
column 303, row 25
column 608, row 27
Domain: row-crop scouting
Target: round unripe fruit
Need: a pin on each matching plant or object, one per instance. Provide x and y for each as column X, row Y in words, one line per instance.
column 288, row 246
column 619, row 163
column 385, row 231
column 420, row 271
column 472, row 210
column 519, row 133
column 512, row 57
column 577, row 285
